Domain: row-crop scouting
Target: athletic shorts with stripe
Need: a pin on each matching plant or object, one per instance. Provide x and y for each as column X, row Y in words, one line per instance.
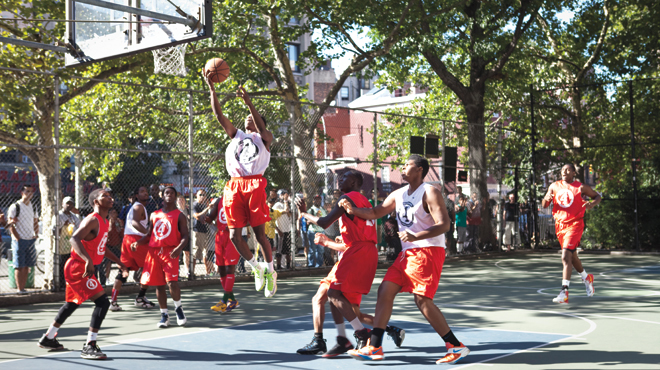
column 569, row 234
column 418, row 270
column 225, row 251
column 354, row 274
column 133, row 260
column 245, row 201
column 78, row 288
column 159, row 267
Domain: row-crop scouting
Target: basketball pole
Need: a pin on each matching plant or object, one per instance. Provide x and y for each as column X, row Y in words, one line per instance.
column 33, row 45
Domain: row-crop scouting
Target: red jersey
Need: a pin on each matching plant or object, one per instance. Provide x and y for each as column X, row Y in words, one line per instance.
column 567, row 205
column 221, row 220
column 357, row 229
column 95, row 247
column 165, row 231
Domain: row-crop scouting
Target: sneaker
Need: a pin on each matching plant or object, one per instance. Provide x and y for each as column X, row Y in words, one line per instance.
column 220, row 307
column 259, row 279
column 232, row 304
column 144, row 302
column 343, row 345
column 271, row 284
column 91, row 351
column 396, row 334
column 589, row 284
column 44, row 342
column 164, row 321
column 180, row 317
column 314, row 347
column 562, row 297
column 368, row 353
column 454, row 353
column 361, row 337
column 114, row 307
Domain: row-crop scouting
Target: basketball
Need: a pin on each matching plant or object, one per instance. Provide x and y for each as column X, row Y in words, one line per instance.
column 218, row 68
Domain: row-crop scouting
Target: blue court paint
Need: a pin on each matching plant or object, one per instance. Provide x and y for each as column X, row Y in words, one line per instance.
column 273, row 345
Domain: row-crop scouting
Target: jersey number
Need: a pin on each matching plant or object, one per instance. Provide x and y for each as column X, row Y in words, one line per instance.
column 371, row 222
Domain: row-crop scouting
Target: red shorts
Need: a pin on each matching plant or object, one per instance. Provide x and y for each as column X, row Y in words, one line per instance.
column 225, row 251
column 418, row 270
column 159, row 267
column 355, row 271
column 569, row 235
column 133, row 260
column 245, row 201
column 78, row 288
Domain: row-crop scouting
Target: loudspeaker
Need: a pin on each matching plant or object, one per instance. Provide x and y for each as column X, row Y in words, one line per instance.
column 431, row 146
column 462, row 176
column 449, row 162
column 417, row 145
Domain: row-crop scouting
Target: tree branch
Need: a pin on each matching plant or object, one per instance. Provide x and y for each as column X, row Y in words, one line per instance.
column 599, row 45
column 338, row 26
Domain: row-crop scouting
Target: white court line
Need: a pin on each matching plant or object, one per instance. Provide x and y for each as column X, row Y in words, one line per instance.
column 620, row 318
column 653, row 292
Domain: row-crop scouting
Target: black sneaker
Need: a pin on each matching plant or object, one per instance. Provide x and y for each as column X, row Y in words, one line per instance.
column 396, row 334
column 343, row 345
column 316, row 346
column 361, row 337
column 44, row 342
column 164, row 321
column 91, row 351
column 180, row 317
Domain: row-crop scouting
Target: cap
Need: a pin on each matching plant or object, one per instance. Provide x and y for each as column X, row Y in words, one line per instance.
column 67, row 200
column 282, row 191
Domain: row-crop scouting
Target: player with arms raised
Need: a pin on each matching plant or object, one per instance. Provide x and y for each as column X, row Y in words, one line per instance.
column 568, row 209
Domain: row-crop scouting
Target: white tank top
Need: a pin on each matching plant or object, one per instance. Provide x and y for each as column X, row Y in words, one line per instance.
column 246, row 155
column 129, row 229
column 412, row 217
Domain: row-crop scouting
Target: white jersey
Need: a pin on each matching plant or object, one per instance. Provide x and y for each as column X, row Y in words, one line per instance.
column 412, row 217
column 129, row 229
column 246, row 155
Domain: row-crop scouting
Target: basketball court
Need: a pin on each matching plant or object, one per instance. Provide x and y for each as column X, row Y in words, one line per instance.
column 500, row 308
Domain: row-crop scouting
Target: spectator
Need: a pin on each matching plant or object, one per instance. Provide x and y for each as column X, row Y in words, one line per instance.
column 68, row 223
column 302, row 227
column 523, row 224
column 115, row 237
column 510, row 213
column 451, row 211
column 182, row 205
column 271, row 229
column 392, row 236
column 156, row 202
column 315, row 256
column 272, row 195
column 23, row 226
column 461, row 221
column 283, row 224
column 475, row 207
column 336, row 194
column 332, row 232
column 201, row 230
column 3, row 220
column 126, row 208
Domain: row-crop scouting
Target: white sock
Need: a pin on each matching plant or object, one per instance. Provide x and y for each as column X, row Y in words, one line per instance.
column 164, row 310
column 91, row 336
column 177, row 304
column 253, row 262
column 565, row 282
column 583, row 274
column 356, row 324
column 341, row 330
column 50, row 334
column 271, row 268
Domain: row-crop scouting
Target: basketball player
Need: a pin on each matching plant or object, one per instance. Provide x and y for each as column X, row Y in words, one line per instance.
column 356, row 269
column 226, row 257
column 317, row 345
column 423, row 219
column 88, row 249
column 167, row 236
column 246, row 158
column 137, row 222
column 568, row 209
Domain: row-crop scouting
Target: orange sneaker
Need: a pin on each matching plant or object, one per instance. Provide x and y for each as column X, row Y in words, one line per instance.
column 562, row 297
column 454, row 353
column 589, row 284
column 368, row 353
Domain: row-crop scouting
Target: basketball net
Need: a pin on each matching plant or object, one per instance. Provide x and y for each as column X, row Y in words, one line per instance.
column 170, row 61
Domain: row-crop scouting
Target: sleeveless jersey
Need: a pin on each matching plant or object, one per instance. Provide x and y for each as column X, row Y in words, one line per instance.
column 95, row 247
column 567, row 205
column 246, row 155
column 221, row 219
column 165, row 231
column 130, row 230
column 358, row 230
column 412, row 217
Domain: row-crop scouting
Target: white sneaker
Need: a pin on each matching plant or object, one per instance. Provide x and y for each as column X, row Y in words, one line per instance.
column 114, row 307
column 589, row 284
column 562, row 297
column 271, row 283
column 259, row 278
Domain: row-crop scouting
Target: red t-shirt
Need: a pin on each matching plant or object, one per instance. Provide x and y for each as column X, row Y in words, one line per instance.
column 357, row 229
column 567, row 205
column 165, row 232
column 95, row 247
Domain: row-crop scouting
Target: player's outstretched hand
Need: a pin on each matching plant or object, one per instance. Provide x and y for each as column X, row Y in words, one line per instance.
column 242, row 93
column 207, row 77
column 405, row 236
column 320, row 238
column 300, row 204
column 346, row 205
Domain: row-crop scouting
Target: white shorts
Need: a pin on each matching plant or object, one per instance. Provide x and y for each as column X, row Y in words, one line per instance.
column 509, row 232
column 460, row 231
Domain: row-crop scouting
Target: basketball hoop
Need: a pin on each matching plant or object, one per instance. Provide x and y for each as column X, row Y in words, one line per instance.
column 170, row 61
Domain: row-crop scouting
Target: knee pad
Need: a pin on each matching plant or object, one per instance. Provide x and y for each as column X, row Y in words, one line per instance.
column 121, row 277
column 65, row 311
column 102, row 305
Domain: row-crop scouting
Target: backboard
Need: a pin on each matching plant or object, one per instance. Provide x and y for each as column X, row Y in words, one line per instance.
column 117, row 30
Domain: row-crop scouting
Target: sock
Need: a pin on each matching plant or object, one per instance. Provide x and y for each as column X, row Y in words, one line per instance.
column 231, row 296
column 225, row 297
column 356, row 324
column 583, row 274
column 164, row 310
column 318, row 336
column 271, row 268
column 451, row 339
column 341, row 330
column 142, row 292
column 377, row 337
column 565, row 284
column 177, row 304
column 223, row 282
column 91, row 336
column 114, row 295
column 50, row 334
column 253, row 262
column 231, row 278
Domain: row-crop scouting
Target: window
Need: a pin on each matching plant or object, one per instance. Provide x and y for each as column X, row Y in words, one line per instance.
column 294, row 53
column 365, row 84
column 344, row 93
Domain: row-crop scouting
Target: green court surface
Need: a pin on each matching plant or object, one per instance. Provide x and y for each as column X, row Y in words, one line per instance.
column 500, row 307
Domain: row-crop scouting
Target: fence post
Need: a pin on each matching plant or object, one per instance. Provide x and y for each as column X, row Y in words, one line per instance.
column 375, row 159
column 634, row 163
column 535, row 210
column 191, row 173
column 56, row 123
column 442, row 167
column 500, row 201
column 292, row 197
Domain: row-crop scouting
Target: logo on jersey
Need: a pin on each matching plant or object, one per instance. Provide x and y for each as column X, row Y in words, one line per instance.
column 564, row 198
column 246, row 151
column 223, row 216
column 92, row 284
column 101, row 249
column 405, row 214
column 162, row 228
